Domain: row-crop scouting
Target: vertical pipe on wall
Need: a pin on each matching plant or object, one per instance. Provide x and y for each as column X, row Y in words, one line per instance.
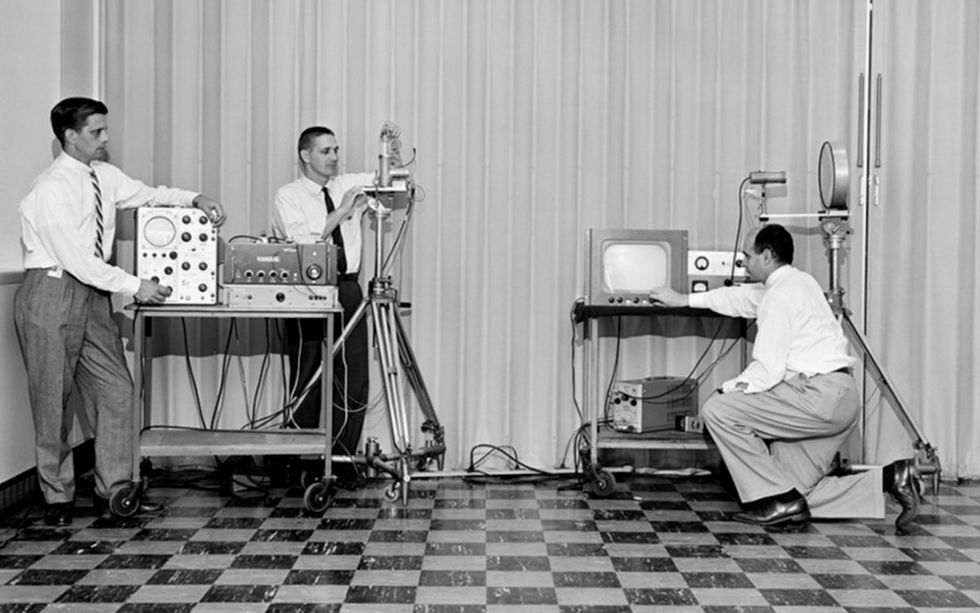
column 864, row 157
column 865, row 154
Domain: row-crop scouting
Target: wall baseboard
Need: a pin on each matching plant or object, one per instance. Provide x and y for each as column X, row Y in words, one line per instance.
column 21, row 490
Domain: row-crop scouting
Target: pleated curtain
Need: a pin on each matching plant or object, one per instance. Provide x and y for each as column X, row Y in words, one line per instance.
column 530, row 123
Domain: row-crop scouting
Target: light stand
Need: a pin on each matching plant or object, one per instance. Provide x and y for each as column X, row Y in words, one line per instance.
column 833, row 177
column 395, row 355
column 396, row 358
column 927, row 460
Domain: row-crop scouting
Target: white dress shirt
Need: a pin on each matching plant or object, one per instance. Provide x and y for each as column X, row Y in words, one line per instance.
column 797, row 331
column 300, row 214
column 58, row 220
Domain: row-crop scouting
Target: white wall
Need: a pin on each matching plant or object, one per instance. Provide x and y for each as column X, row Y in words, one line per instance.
column 30, row 49
column 17, row 433
column 30, row 68
column 40, row 61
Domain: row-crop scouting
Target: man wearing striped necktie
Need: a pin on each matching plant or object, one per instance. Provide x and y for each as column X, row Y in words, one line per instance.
column 62, row 310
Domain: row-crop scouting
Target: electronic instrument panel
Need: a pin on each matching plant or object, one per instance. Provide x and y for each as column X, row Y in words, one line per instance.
column 178, row 247
column 280, row 263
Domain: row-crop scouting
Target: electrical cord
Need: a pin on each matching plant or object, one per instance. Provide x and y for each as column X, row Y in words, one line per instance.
column 252, row 239
column 738, row 227
column 283, row 361
column 190, row 375
column 690, row 375
column 223, row 377
column 510, row 454
column 615, row 368
column 252, row 422
column 399, row 241
column 263, row 372
column 725, row 351
column 571, row 317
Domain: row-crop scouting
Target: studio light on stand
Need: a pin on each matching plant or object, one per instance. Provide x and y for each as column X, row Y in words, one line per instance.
column 392, row 188
column 834, row 183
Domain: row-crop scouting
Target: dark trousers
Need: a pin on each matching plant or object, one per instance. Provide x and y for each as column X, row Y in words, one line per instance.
column 68, row 338
column 304, row 338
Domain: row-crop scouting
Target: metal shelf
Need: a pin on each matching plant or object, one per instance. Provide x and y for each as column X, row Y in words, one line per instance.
column 614, row 439
column 164, row 442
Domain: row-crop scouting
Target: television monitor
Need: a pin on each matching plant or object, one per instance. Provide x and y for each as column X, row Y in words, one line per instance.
column 624, row 265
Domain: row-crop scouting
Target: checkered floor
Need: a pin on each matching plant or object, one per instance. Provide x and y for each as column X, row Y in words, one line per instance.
column 657, row 544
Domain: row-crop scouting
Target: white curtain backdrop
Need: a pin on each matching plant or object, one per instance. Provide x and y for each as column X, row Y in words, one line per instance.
column 924, row 280
column 533, row 121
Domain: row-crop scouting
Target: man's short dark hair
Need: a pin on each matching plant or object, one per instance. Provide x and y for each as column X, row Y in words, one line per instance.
column 72, row 113
column 777, row 240
column 309, row 135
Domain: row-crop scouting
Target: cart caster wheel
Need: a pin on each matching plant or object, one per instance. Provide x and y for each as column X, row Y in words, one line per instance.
column 124, row 500
column 603, row 484
column 317, row 497
column 308, row 478
column 393, row 490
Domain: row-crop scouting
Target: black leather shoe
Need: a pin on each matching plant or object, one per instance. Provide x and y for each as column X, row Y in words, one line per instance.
column 904, row 488
column 58, row 513
column 773, row 512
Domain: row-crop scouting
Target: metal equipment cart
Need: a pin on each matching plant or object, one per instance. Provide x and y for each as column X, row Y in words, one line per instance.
column 123, row 500
column 601, row 481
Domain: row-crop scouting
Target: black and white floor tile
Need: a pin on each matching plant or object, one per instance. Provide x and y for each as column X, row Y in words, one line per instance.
column 656, row 544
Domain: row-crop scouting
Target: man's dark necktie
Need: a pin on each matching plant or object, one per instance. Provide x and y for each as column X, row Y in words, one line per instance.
column 338, row 238
column 99, row 226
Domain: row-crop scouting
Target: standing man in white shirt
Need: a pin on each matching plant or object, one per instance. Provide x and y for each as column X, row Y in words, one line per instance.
column 779, row 424
column 62, row 310
column 325, row 206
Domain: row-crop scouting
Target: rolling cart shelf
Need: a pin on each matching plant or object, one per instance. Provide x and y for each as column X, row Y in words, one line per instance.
column 662, row 321
column 614, row 439
column 163, row 441
column 155, row 443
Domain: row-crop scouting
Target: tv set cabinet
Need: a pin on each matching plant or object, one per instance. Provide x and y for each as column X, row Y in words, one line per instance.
column 666, row 321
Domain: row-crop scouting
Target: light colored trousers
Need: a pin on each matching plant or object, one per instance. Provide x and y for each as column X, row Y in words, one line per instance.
column 67, row 336
column 787, row 437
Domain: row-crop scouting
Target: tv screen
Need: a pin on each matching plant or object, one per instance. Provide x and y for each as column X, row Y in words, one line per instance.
column 635, row 268
column 624, row 265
